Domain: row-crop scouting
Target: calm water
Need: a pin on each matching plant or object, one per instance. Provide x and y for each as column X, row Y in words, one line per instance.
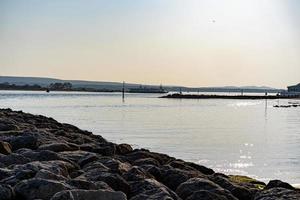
column 247, row 137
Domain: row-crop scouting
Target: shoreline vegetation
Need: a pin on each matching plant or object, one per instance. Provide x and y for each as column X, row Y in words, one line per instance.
column 41, row 158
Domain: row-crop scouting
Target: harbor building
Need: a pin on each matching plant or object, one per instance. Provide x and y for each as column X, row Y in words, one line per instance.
column 294, row 88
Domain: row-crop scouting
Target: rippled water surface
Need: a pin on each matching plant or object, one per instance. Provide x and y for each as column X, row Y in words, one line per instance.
column 248, row 137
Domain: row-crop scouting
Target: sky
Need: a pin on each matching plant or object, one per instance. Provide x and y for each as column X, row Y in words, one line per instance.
column 169, row 42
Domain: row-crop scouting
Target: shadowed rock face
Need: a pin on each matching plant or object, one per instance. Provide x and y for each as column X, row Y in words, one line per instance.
column 41, row 158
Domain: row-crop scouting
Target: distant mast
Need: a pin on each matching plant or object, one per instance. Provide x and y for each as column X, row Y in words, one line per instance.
column 123, row 91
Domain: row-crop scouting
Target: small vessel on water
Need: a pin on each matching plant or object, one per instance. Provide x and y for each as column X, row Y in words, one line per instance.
column 144, row 89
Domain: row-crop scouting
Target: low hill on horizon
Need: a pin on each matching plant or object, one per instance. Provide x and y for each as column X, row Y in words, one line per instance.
column 43, row 81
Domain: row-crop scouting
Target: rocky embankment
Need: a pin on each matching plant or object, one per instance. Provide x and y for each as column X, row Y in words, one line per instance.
column 43, row 159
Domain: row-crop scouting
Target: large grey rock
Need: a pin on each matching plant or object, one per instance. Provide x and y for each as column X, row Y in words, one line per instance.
column 89, row 195
column 39, row 189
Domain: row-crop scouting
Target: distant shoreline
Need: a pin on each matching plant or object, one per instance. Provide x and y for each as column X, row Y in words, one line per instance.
column 204, row 96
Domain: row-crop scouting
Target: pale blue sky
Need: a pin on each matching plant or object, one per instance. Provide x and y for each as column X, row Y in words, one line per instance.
column 186, row 42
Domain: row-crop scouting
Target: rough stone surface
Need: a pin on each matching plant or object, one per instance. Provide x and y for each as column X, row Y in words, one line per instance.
column 89, row 195
column 277, row 193
column 41, row 158
column 6, row 192
column 278, row 183
column 39, row 188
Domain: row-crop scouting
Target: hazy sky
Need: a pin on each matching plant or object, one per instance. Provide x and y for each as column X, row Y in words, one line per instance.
column 186, row 42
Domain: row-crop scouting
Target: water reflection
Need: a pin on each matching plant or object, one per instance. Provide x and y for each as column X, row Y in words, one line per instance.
column 247, row 137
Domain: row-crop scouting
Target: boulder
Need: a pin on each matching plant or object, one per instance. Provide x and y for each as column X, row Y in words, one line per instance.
column 57, row 167
column 209, row 195
column 89, row 195
column 103, row 186
column 150, row 189
column 88, row 185
column 6, row 192
column 173, row 177
column 19, row 176
column 4, row 173
column 146, row 161
column 13, row 159
column 58, row 147
column 95, row 166
column 45, row 174
column 187, row 189
column 5, row 148
column 115, row 165
column 115, row 181
column 7, row 125
column 87, row 159
column 278, row 183
column 153, row 170
column 108, row 149
column 136, row 174
column 39, row 189
column 123, row 149
column 200, row 168
column 76, row 156
column 43, row 155
column 26, row 140
column 241, row 192
column 277, row 193
column 143, row 153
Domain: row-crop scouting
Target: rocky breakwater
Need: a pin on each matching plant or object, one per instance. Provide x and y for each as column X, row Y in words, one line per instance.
column 43, row 159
